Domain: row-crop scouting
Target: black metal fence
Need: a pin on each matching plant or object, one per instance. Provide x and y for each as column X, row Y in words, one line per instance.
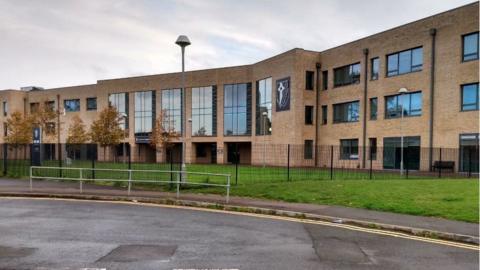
column 260, row 162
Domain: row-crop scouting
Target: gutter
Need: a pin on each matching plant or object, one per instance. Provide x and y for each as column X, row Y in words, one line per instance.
column 365, row 80
column 433, row 33
column 317, row 98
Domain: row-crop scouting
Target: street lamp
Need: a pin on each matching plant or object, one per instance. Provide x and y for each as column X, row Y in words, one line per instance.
column 124, row 117
column 183, row 42
column 264, row 114
column 402, row 92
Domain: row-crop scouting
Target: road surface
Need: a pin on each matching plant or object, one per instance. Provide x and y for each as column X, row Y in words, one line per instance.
column 66, row 234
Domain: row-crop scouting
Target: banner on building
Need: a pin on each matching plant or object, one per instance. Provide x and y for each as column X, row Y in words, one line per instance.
column 283, row 94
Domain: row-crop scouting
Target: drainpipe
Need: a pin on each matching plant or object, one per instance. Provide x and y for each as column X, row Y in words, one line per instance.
column 433, row 33
column 365, row 80
column 317, row 97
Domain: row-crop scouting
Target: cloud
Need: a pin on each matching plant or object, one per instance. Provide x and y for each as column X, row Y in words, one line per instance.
column 55, row 43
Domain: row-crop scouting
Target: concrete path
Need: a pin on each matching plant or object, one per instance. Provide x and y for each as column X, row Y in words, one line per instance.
column 429, row 223
column 57, row 234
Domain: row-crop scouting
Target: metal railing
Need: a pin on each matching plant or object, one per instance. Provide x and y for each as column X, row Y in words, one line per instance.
column 82, row 177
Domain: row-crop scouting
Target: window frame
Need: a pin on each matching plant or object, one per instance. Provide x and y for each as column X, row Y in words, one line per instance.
column 353, row 81
column 258, row 103
column 309, row 80
column 345, row 103
column 372, row 77
column 324, row 80
column 309, row 109
column 324, row 114
column 371, row 116
column 387, row 71
column 70, row 100
column 461, row 98
column 202, row 110
column 87, row 105
column 409, row 94
column 463, row 46
column 373, row 148
column 308, row 150
column 351, row 156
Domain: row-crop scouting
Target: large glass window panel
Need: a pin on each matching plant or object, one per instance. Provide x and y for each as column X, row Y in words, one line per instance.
column 375, row 68
column 392, row 65
column 235, row 109
column 346, row 75
column 120, row 102
column 373, row 108
column 202, row 111
column 264, row 105
column 469, row 148
column 470, row 97
column 144, row 111
column 349, row 149
column 172, row 107
column 470, row 47
column 417, row 59
column 72, row 105
column 410, row 103
column 346, row 112
column 405, row 61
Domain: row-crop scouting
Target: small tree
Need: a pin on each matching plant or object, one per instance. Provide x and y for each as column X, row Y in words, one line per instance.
column 44, row 117
column 77, row 134
column 163, row 132
column 106, row 130
column 19, row 131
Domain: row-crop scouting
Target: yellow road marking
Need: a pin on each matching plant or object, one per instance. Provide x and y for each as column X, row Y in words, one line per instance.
column 281, row 218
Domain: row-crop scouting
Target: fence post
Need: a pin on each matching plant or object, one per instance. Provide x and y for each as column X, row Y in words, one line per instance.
column 171, row 171
column 331, row 162
column 405, row 162
column 178, row 186
column 31, row 180
column 5, row 158
column 469, row 162
column 129, row 157
column 371, row 163
column 81, row 182
column 93, row 167
column 228, row 189
column 288, row 162
column 129, row 181
column 440, row 167
column 236, row 163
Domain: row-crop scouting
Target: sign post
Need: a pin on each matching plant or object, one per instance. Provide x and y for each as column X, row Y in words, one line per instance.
column 36, row 147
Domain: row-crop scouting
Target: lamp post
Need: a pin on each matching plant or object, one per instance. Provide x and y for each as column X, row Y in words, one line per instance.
column 402, row 92
column 264, row 114
column 183, row 42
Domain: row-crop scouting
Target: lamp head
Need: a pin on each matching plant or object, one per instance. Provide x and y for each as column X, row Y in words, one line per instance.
column 183, row 41
column 403, row 90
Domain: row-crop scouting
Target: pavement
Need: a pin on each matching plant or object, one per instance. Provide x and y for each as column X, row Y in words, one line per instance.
column 463, row 231
column 65, row 234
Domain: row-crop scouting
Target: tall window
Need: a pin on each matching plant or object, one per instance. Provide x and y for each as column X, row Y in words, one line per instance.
column 375, row 64
column 120, row 102
column 470, row 47
column 373, row 108
column 410, row 103
column 346, row 75
column 5, row 108
column 144, row 111
column 203, row 103
column 235, row 109
column 405, row 62
column 308, row 115
column 349, row 149
column 34, row 107
column 263, row 119
column 469, row 145
column 470, row 98
column 172, row 107
column 308, row 149
column 325, row 79
column 92, row 104
column 71, row 105
column 324, row 114
column 346, row 112
column 309, row 78
column 373, row 148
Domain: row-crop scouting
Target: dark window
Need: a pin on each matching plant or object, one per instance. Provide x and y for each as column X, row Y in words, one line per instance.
column 470, row 47
column 324, row 114
column 308, row 115
column 72, row 105
column 263, row 119
column 308, row 149
column 325, row 79
column 405, row 62
column 5, row 108
column 120, row 102
column 373, row 108
column 5, row 129
column 469, row 145
column 34, row 106
column 92, row 104
column 349, row 149
column 470, row 98
column 375, row 63
column 410, row 104
column 202, row 111
column 373, row 148
column 309, row 77
column 50, row 128
column 201, row 150
column 346, row 75
column 144, row 111
column 50, row 106
column 392, row 152
column 235, row 109
column 172, row 107
column 345, row 112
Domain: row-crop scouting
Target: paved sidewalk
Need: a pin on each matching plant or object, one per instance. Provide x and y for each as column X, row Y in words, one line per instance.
column 427, row 223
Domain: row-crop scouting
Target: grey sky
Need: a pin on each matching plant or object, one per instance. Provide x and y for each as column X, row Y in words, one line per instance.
column 60, row 43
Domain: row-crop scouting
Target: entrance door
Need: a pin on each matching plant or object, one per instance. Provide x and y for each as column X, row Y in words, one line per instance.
column 392, row 152
column 232, row 152
column 469, row 152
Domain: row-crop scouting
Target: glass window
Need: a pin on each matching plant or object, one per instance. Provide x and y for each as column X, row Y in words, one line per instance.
column 120, row 102
column 308, row 149
column 308, row 115
column 263, row 117
column 346, row 112
column 469, row 145
column 172, row 107
column 144, row 111
column 375, row 63
column 373, row 148
column 405, row 61
column 373, row 108
column 349, row 149
column 324, row 114
column 470, row 98
column 309, row 77
column 325, row 79
column 470, row 47
column 5, row 108
column 92, row 104
column 71, row 105
column 202, row 111
column 346, row 75
column 235, row 109
column 410, row 103
column 34, row 106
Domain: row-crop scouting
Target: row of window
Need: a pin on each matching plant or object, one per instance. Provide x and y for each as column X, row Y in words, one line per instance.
column 398, row 63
